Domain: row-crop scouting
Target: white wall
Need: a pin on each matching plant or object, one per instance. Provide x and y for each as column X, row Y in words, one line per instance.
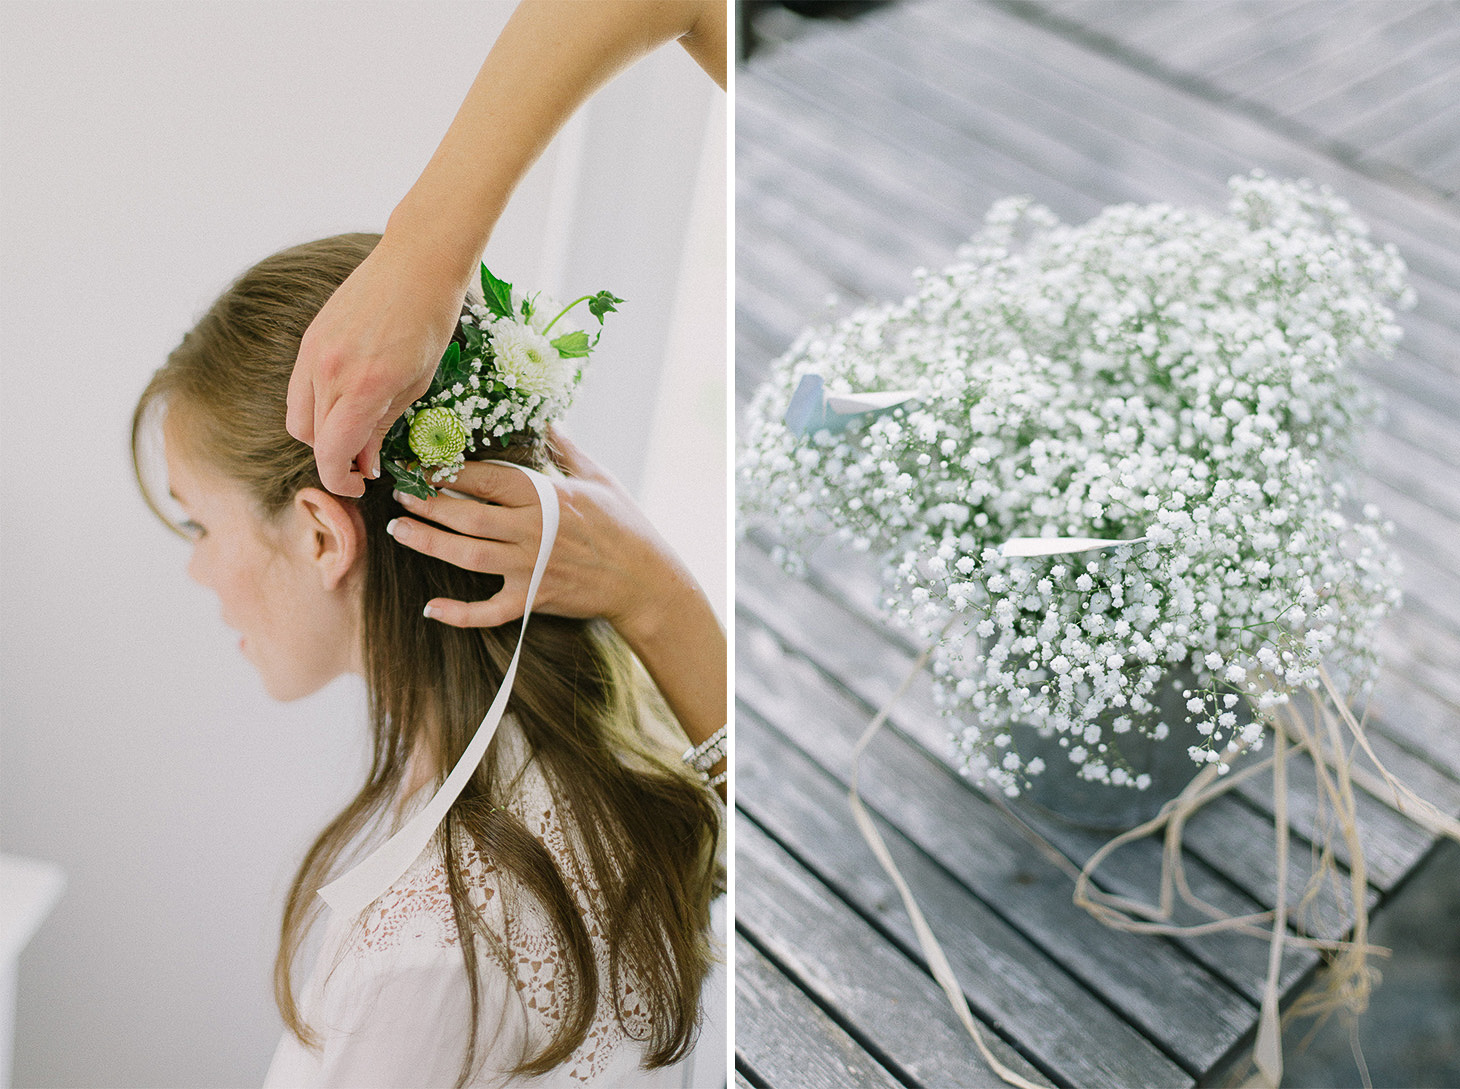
column 148, row 153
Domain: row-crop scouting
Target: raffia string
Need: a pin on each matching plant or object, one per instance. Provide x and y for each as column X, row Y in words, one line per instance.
column 932, row 950
column 1350, row 977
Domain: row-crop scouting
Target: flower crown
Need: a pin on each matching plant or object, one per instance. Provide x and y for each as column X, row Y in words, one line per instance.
column 504, row 377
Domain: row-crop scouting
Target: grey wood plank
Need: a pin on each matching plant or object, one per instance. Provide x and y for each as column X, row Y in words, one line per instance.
column 1418, row 383
column 1417, row 770
column 854, row 969
column 1250, row 40
column 1415, row 696
column 1010, row 981
column 1424, row 538
column 783, row 291
column 832, row 192
column 967, row 94
column 1175, row 136
column 1349, row 38
column 765, row 591
column 1433, row 318
column 1416, row 718
column 1388, row 75
column 1014, row 137
column 844, row 240
column 1236, row 841
column 1216, row 832
column 856, row 158
column 930, row 123
column 786, row 1041
column 778, row 292
column 752, row 351
column 1316, row 67
column 1421, row 139
column 1419, row 489
column 1367, row 129
column 1429, row 587
column 1391, row 844
column 1108, row 18
column 1422, row 426
column 1226, row 835
column 1186, row 25
column 740, row 1082
column 1133, row 872
column 1197, row 1016
column 1445, row 170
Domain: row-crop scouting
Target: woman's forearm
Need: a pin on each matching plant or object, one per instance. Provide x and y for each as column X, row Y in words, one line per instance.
column 551, row 56
column 682, row 645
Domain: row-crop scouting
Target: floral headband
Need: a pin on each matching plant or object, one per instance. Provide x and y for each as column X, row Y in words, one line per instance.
column 504, row 377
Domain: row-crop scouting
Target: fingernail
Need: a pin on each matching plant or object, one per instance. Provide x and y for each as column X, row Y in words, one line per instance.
column 375, row 468
column 401, row 497
column 391, row 526
column 430, row 612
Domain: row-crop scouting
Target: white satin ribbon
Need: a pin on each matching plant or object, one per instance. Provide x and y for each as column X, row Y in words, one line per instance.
column 812, row 408
column 1059, row 546
column 353, row 892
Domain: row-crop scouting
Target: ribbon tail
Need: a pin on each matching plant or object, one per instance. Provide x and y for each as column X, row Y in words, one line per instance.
column 1059, row 546
column 1267, row 1052
column 937, row 960
column 357, row 889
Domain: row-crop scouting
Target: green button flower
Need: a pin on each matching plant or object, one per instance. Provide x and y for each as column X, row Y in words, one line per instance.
column 436, row 436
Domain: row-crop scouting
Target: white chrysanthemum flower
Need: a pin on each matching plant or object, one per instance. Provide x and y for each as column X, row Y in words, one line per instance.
column 527, row 361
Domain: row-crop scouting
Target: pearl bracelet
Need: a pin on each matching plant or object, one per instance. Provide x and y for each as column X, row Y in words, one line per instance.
column 708, row 753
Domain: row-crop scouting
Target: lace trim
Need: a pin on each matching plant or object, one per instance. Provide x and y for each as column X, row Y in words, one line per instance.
column 416, row 910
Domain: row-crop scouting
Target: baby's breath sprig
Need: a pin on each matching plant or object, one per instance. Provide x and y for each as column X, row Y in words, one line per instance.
column 501, row 378
column 1174, row 374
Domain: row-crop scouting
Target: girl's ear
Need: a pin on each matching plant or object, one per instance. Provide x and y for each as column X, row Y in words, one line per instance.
column 331, row 534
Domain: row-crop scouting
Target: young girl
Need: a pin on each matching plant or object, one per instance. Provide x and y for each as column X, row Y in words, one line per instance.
column 556, row 922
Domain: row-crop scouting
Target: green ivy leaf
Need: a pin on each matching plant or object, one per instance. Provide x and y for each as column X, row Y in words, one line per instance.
column 395, row 444
column 473, row 338
column 603, row 303
column 455, row 367
column 443, row 376
column 411, row 480
column 497, row 294
column 572, row 345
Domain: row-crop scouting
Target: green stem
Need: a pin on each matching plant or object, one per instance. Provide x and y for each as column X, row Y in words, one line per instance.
column 563, row 311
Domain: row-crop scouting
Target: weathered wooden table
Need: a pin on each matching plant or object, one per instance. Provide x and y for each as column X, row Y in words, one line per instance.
column 865, row 150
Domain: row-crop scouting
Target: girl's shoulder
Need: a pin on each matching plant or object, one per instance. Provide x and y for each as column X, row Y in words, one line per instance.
column 414, row 920
column 412, row 927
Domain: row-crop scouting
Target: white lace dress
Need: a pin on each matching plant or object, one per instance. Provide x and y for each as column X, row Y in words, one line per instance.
column 388, row 994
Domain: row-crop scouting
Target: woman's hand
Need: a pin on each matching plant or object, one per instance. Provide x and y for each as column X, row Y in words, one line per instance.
column 367, row 355
column 607, row 562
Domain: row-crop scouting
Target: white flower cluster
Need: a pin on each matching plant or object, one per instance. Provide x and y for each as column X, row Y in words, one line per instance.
column 518, row 380
column 1163, row 372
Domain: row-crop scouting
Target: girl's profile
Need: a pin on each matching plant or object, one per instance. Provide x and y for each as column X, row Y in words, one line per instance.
column 557, row 925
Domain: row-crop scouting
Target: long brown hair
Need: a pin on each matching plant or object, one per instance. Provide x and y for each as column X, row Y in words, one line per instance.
column 576, row 698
